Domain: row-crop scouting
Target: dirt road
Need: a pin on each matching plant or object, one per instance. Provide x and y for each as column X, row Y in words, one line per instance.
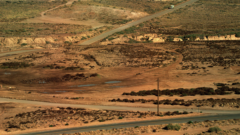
column 17, row 52
column 58, row 20
column 213, row 111
column 104, row 35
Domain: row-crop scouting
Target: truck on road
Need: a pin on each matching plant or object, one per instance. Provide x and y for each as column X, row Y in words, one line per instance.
column 171, row 7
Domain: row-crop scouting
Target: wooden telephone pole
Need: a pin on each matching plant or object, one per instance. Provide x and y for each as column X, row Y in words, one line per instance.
column 158, row 96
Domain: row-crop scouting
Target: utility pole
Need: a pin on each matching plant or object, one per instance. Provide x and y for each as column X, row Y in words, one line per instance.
column 158, row 97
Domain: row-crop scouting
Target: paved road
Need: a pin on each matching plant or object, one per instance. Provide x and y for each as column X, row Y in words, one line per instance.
column 104, row 35
column 17, row 52
column 212, row 111
column 139, row 123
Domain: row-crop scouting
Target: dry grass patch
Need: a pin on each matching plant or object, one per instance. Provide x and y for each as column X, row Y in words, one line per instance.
column 39, row 29
column 82, row 11
column 15, row 11
column 203, row 17
column 135, row 5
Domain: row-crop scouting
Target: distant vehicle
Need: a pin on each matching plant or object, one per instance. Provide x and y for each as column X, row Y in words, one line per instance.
column 171, row 7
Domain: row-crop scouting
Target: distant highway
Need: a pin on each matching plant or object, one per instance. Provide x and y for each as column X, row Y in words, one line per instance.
column 108, row 33
column 138, row 123
column 222, row 114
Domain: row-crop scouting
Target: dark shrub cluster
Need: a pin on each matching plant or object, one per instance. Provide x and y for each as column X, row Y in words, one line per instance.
column 66, row 116
column 214, row 129
column 208, row 102
column 186, row 92
column 173, row 127
column 15, row 65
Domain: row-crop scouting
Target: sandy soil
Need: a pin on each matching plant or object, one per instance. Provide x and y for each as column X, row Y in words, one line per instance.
column 132, row 78
column 54, row 19
column 90, row 22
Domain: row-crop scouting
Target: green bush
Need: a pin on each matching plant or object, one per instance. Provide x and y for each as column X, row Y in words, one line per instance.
column 111, row 38
column 185, row 112
column 130, row 30
column 21, row 30
column 66, row 124
column 184, row 94
column 190, row 122
column 170, row 38
column 120, row 32
column 67, row 42
column 51, row 126
column 136, row 126
column 102, row 120
column 141, row 25
column 192, row 37
column 133, row 41
column 201, row 36
column 83, row 38
column 120, row 117
column 237, row 34
column 173, row 127
column 214, row 129
column 23, row 44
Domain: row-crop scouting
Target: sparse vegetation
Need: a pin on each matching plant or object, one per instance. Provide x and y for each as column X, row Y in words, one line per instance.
column 135, row 5
column 133, row 41
column 204, row 102
column 78, row 115
column 14, row 65
column 37, row 29
column 185, row 92
column 83, row 38
column 23, row 9
column 173, row 127
column 23, row 44
column 190, row 19
column 214, row 129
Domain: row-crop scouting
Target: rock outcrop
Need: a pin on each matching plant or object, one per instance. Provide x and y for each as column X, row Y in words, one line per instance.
column 177, row 39
column 40, row 40
column 158, row 40
column 216, row 38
